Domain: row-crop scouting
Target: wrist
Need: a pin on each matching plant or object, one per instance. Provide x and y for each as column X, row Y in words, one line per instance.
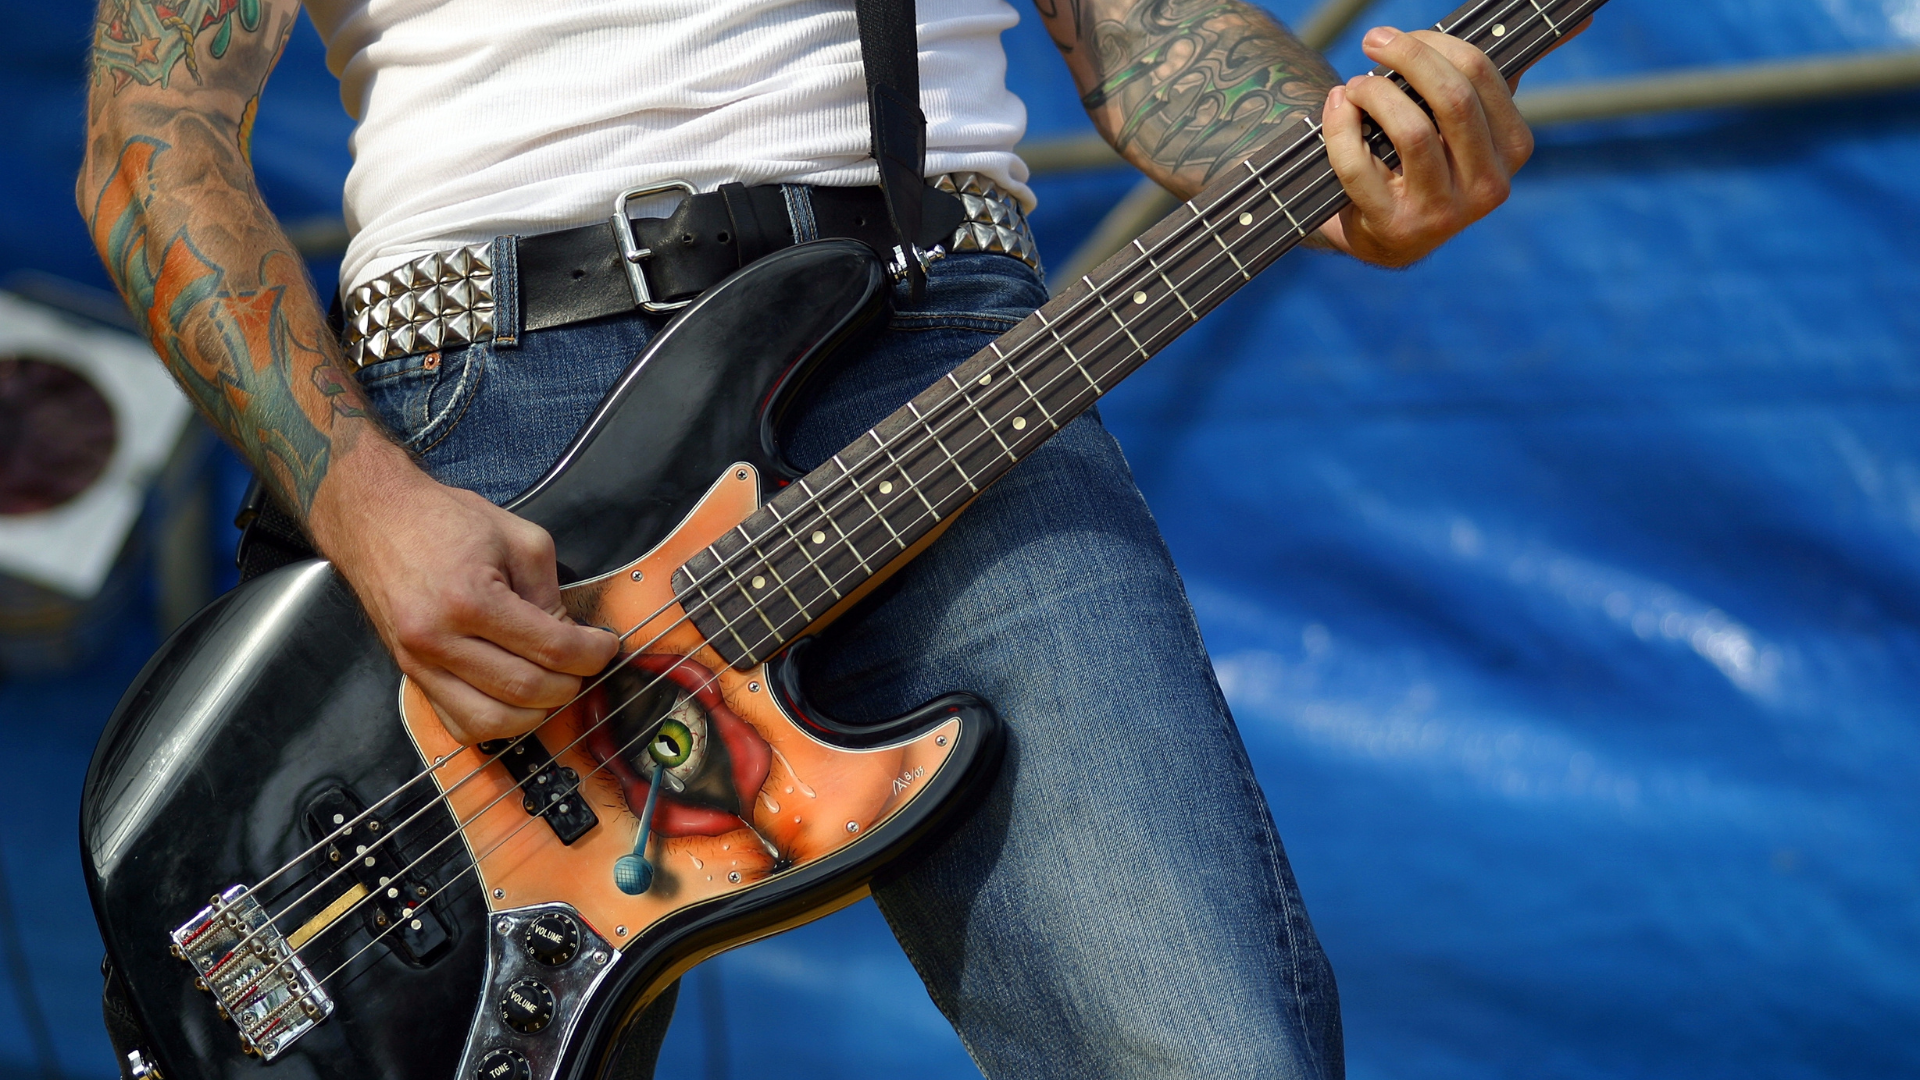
column 367, row 483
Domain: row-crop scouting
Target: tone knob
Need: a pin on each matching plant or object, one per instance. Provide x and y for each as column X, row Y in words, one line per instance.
column 552, row 939
column 527, row 1006
column 501, row 1063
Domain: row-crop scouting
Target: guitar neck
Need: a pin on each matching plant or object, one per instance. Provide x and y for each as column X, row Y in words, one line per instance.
column 816, row 543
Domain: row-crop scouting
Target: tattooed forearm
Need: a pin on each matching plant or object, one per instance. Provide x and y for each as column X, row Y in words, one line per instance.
column 1186, row 88
column 169, row 196
column 143, row 41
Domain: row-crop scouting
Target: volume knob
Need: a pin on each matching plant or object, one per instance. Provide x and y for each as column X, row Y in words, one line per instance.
column 552, row 939
column 527, row 1006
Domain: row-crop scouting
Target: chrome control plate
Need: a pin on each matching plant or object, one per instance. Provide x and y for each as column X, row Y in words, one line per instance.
column 543, row 964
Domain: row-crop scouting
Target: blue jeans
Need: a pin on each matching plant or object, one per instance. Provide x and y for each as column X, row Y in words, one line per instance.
column 1120, row 905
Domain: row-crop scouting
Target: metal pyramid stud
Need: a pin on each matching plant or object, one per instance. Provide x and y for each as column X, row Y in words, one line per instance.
column 403, row 275
column 431, row 302
column 382, row 312
column 460, row 327
column 376, row 344
column 483, row 291
column 427, row 268
column 482, row 323
column 363, row 324
column 459, row 294
column 432, row 333
column 460, row 262
column 362, row 297
column 405, row 307
column 402, row 339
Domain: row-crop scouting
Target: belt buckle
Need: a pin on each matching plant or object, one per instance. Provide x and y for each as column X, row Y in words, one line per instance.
column 631, row 252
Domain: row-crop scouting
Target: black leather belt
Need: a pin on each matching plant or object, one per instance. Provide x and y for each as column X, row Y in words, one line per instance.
column 582, row 273
column 452, row 298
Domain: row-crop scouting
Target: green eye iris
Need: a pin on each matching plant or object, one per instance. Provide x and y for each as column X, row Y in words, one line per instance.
column 672, row 745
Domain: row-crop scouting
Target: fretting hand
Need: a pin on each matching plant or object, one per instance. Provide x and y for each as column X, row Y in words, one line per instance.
column 1455, row 167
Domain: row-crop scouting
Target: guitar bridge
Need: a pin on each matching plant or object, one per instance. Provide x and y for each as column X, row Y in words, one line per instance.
column 257, row 981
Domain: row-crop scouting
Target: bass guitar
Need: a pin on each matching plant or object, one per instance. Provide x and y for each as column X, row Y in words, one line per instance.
column 296, row 868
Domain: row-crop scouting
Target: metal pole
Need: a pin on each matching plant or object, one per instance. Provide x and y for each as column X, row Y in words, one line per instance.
column 1148, row 202
column 1773, row 83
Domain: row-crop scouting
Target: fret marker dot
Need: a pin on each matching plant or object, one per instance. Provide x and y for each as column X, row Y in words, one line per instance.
column 1499, row 29
column 886, row 487
column 1246, row 219
column 1140, row 297
column 987, row 378
column 759, row 582
column 1019, row 423
column 819, row 537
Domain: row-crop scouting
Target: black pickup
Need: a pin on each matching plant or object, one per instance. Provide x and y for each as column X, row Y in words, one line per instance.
column 548, row 790
column 397, row 912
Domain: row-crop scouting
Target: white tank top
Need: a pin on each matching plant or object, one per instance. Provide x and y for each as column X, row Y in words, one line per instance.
column 479, row 118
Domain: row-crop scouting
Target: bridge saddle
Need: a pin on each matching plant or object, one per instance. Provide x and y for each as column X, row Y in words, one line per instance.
column 261, row 984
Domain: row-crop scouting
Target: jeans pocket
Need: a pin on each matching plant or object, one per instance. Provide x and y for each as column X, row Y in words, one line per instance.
column 422, row 398
column 974, row 291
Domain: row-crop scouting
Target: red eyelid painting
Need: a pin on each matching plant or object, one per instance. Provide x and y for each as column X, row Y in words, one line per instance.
column 749, row 754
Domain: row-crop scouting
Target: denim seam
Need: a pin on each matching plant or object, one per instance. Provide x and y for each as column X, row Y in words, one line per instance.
column 975, row 324
column 465, row 391
column 506, row 291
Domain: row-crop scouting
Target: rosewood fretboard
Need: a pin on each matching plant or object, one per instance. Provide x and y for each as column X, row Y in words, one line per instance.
column 823, row 537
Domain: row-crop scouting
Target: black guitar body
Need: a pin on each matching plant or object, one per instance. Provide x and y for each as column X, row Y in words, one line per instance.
column 272, row 715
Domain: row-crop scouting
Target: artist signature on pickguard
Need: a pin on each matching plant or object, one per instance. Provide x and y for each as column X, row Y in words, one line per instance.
column 905, row 780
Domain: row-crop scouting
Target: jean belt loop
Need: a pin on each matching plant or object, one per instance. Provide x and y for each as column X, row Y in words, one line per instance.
column 800, row 212
column 505, row 256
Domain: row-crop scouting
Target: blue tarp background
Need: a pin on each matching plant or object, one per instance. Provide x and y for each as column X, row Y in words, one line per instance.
column 1566, row 588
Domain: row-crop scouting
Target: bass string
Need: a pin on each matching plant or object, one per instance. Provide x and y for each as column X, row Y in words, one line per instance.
column 636, row 740
column 1237, row 190
column 781, row 547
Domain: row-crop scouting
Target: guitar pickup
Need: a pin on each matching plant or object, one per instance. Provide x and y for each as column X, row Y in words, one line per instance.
column 549, row 790
column 395, row 910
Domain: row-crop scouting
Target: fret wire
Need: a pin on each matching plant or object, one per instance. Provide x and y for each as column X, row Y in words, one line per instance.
column 906, row 477
column 1557, row 32
column 1187, row 249
column 1167, row 281
column 1124, row 328
column 1231, row 256
column 1037, row 403
column 1267, row 188
column 993, row 430
column 780, row 579
column 935, row 436
column 1075, row 360
column 726, row 622
column 834, row 520
column 752, row 603
column 871, row 505
column 801, row 543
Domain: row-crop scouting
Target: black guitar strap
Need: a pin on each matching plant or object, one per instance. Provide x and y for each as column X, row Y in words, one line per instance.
column 890, row 53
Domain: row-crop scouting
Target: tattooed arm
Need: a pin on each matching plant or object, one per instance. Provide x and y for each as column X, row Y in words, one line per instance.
column 1185, row 89
column 463, row 593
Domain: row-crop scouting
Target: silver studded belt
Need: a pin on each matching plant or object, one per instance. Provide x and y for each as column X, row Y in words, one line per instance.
column 451, row 298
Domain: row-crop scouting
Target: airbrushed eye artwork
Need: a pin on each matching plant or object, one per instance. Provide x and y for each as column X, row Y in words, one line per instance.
column 675, row 779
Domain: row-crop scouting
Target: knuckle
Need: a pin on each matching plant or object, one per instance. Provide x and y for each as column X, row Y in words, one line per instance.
column 1456, row 100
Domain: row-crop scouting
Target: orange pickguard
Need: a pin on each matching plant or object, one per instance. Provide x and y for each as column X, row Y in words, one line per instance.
column 812, row 792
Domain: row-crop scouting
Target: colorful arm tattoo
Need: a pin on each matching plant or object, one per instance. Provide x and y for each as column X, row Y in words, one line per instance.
column 169, row 196
column 1186, row 88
